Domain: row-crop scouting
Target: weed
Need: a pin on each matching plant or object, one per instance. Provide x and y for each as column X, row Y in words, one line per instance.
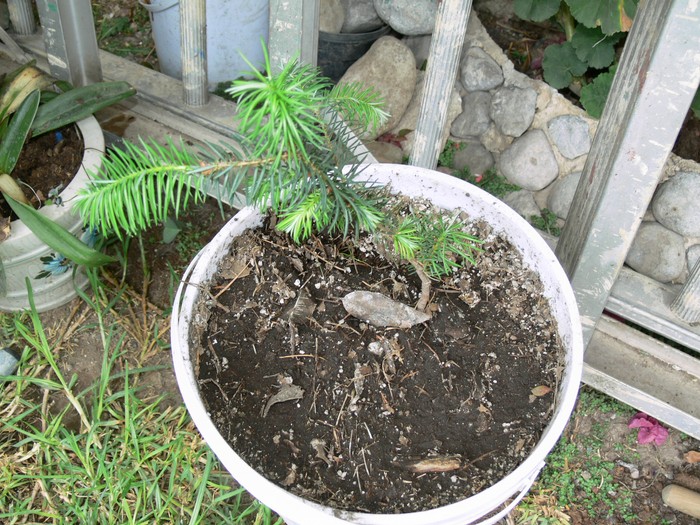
column 590, row 401
column 495, row 184
column 547, row 222
column 447, row 156
column 110, row 32
column 585, row 480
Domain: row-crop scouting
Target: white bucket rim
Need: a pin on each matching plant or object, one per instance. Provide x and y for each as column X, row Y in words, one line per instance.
column 298, row 510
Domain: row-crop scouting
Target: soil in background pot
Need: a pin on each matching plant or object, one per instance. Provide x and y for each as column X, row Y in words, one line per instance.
column 369, row 419
column 47, row 165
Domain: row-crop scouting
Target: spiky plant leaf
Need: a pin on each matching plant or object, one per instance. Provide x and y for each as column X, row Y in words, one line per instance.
column 407, row 239
column 281, row 113
column 139, row 186
column 443, row 243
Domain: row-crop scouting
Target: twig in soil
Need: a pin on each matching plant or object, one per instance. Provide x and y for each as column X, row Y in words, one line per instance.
column 230, row 283
column 357, row 475
column 340, row 412
column 364, row 460
column 217, row 385
column 313, row 385
column 215, row 357
column 408, row 376
column 434, row 353
column 205, row 290
column 368, row 432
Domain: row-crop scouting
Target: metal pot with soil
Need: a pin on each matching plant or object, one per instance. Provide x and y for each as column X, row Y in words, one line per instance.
column 427, row 424
column 25, row 256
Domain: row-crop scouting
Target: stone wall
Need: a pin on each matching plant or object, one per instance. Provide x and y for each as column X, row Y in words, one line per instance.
column 530, row 133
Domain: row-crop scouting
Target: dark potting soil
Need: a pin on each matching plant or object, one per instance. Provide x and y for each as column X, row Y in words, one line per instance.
column 46, row 166
column 378, row 420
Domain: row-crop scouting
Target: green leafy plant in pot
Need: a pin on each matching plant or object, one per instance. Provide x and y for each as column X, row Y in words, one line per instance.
column 33, row 104
column 294, row 161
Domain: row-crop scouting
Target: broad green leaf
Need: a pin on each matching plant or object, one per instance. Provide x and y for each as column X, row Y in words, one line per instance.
column 58, row 238
column 17, row 132
column 593, row 47
column 594, row 94
column 560, row 65
column 611, row 16
column 78, row 103
column 536, row 10
column 171, row 227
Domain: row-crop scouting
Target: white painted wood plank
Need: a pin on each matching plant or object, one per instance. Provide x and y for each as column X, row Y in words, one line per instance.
column 646, row 374
column 293, row 31
column 658, row 75
column 443, row 60
column 646, row 303
column 69, row 34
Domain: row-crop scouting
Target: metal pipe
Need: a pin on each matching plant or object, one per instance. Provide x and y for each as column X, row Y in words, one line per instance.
column 193, row 49
column 71, row 43
column 687, row 304
column 22, row 16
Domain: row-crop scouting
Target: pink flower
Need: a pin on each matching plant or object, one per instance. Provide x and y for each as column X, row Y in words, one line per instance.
column 650, row 430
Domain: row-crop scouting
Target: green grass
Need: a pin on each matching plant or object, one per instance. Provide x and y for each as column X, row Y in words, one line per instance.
column 111, row 29
column 547, row 222
column 131, row 461
column 576, row 476
column 590, row 401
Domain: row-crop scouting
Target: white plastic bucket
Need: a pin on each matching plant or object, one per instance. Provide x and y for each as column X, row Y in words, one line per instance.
column 234, row 28
column 21, row 252
column 486, row 507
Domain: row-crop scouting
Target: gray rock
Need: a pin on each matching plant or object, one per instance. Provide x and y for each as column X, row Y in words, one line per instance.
column 389, row 68
column 523, row 202
column 657, row 252
column 331, row 16
column 385, row 152
column 562, row 194
column 473, row 155
column 675, row 204
column 529, row 161
column 8, row 362
column 409, row 121
column 420, row 45
column 478, row 71
column 570, row 135
column 692, row 256
column 4, row 16
column 360, row 16
column 379, row 310
column 474, row 119
column 512, row 109
column 408, row 17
